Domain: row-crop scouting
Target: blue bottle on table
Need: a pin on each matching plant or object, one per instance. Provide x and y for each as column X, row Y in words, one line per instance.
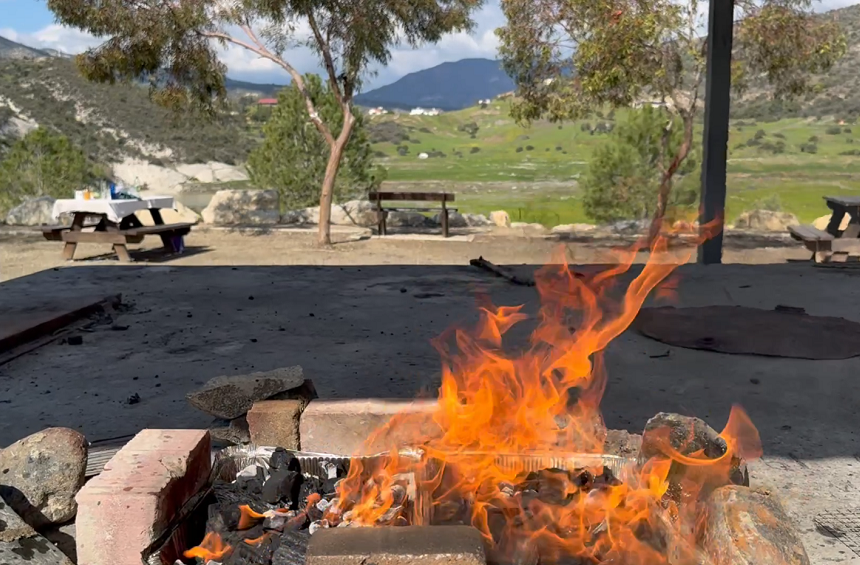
column 112, row 191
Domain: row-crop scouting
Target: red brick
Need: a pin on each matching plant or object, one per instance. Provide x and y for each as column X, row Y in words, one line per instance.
column 275, row 423
column 125, row 508
column 410, row 545
column 343, row 427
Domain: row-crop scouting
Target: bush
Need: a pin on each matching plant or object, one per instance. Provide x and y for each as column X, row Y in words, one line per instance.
column 474, row 150
column 833, row 130
column 775, row 148
column 424, row 130
column 585, row 127
column 846, row 130
column 529, row 147
column 779, row 135
column 851, row 152
column 519, row 150
column 759, row 135
column 403, row 150
column 809, row 148
column 753, row 142
column 387, row 132
column 558, row 147
column 814, row 139
column 471, row 128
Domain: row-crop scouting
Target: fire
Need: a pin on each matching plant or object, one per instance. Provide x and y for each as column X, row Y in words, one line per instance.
column 543, row 402
column 210, row 549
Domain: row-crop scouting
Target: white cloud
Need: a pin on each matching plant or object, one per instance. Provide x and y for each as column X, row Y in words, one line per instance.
column 245, row 65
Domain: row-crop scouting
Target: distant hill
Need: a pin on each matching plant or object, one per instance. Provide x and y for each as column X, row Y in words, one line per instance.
column 449, row 86
column 11, row 50
column 242, row 87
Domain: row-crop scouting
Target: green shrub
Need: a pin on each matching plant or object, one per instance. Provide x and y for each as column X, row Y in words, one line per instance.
column 474, row 150
column 833, row 130
column 519, row 150
column 811, row 148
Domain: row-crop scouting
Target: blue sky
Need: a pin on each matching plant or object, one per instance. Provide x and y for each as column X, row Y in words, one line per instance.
column 30, row 22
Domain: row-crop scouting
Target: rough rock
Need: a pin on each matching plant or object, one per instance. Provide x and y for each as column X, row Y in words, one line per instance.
column 766, row 220
column 197, row 172
column 746, row 526
column 243, row 207
column 180, row 214
column 138, row 172
column 822, row 222
column 235, row 431
column 455, row 220
column 229, row 397
column 477, row 220
column 303, row 216
column 530, row 228
column 223, row 172
column 686, row 435
column 32, row 212
column 573, row 229
column 353, row 213
column 630, row 227
column 20, row 544
column 41, row 474
column 622, row 443
column 500, row 218
column 409, row 220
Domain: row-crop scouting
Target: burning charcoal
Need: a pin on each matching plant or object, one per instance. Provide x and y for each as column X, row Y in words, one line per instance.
column 283, row 485
column 316, row 525
column 254, row 551
column 506, row 489
column 398, row 494
column 311, row 485
column 328, row 486
column 583, row 479
column 390, row 515
column 252, row 485
column 283, row 459
column 553, row 486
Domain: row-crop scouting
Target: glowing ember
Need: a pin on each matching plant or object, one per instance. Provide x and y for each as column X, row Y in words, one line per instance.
column 210, row 549
column 544, row 401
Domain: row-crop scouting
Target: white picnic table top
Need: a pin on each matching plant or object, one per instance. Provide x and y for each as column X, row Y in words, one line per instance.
column 115, row 210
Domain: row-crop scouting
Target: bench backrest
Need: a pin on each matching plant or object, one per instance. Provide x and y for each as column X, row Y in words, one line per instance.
column 412, row 196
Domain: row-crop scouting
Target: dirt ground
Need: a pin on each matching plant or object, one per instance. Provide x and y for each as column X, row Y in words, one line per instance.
column 23, row 252
column 359, row 317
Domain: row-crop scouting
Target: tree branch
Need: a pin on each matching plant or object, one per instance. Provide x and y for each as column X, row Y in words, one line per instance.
column 261, row 50
column 327, row 58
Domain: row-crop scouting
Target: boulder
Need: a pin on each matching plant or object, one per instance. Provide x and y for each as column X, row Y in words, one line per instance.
column 229, row 397
column 530, row 228
column 233, row 432
column 455, row 220
column 20, row 544
column 32, row 212
column 477, row 220
column 573, row 229
column 180, row 214
column 243, row 207
column 744, row 526
column 409, row 220
column 352, row 213
column 622, row 443
column 500, row 218
column 303, row 216
column 223, row 172
column 197, row 172
column 630, row 227
column 41, row 474
column 822, row 222
column 766, row 220
column 687, row 435
column 138, row 172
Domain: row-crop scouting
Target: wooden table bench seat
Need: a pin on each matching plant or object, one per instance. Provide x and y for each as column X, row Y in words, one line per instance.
column 119, row 235
column 382, row 211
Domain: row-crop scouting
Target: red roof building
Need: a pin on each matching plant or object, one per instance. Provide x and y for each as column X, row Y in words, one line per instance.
column 267, row 101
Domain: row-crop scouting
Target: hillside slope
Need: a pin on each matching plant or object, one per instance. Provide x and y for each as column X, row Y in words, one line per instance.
column 449, row 86
column 111, row 122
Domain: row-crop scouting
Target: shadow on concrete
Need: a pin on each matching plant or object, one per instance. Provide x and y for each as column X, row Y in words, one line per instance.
column 366, row 331
column 155, row 255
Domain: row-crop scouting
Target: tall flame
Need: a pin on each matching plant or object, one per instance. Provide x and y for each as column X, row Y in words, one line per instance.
column 545, row 400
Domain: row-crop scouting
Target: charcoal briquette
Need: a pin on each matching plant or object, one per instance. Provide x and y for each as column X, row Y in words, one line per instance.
column 311, row 485
column 283, row 459
column 583, row 479
column 329, row 486
column 292, row 549
column 282, row 485
column 258, row 553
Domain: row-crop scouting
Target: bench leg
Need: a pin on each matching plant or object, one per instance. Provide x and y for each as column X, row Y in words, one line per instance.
column 69, row 251
column 444, row 223
column 122, row 252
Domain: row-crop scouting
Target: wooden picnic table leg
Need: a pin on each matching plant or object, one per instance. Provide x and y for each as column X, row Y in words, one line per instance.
column 444, row 220
column 835, row 219
column 70, row 246
column 120, row 249
column 166, row 239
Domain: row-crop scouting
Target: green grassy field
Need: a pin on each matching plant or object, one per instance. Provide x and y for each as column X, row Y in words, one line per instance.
column 531, row 172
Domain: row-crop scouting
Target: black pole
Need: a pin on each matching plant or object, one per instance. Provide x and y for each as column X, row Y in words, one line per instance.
column 716, row 134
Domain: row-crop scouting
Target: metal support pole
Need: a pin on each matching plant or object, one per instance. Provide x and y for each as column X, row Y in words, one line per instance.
column 716, row 133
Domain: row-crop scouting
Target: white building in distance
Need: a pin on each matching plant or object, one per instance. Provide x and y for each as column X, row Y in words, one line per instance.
column 425, row 112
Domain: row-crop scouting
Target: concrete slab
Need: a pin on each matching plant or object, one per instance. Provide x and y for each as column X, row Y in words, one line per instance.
column 365, row 332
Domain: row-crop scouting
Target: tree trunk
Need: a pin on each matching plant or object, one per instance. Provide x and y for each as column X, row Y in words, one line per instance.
column 666, row 181
column 327, row 193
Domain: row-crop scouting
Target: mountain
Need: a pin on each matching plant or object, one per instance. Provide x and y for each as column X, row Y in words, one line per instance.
column 449, row 86
column 242, row 87
column 12, row 50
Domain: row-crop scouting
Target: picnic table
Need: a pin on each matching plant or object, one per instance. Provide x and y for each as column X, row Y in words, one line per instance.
column 832, row 243
column 115, row 224
column 382, row 211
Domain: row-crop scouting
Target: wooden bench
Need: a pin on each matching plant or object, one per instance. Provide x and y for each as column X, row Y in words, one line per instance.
column 818, row 241
column 130, row 230
column 382, row 211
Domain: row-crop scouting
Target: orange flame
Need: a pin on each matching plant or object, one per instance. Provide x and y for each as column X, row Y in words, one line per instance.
column 210, row 549
column 545, row 401
column 248, row 518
